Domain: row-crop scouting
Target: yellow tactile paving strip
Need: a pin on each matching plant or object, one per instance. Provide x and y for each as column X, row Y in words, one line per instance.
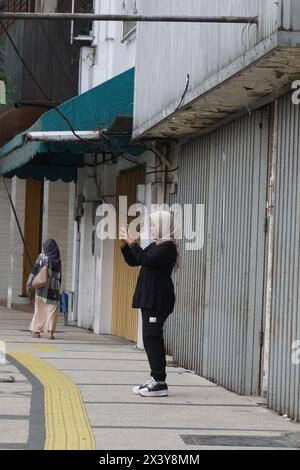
column 67, row 423
column 44, row 348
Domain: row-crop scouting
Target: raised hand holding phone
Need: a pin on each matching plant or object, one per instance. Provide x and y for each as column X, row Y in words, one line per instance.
column 124, row 235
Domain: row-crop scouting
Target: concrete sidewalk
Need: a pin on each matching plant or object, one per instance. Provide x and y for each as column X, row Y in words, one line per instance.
column 43, row 409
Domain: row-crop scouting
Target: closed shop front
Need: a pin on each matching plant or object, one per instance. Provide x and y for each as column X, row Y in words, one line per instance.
column 217, row 325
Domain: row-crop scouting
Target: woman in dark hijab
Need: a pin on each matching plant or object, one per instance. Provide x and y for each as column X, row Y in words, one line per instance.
column 46, row 298
column 154, row 294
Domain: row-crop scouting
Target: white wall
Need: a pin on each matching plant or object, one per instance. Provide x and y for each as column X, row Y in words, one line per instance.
column 87, row 262
column 107, row 57
column 104, row 260
column 167, row 52
column 110, row 55
column 96, row 271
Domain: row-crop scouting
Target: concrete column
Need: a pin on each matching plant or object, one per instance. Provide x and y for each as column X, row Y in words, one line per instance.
column 4, row 238
column 87, row 262
column 16, row 249
column 103, row 287
column 104, row 263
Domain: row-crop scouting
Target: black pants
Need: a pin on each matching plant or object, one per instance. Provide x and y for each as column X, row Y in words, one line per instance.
column 154, row 343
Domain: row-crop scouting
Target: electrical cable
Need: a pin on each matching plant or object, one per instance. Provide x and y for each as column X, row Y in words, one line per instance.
column 56, row 108
column 33, row 77
column 144, row 166
column 184, row 93
column 122, row 154
column 162, row 171
column 247, row 25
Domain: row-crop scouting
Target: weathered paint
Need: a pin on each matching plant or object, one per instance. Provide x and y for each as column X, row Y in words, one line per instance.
column 250, row 63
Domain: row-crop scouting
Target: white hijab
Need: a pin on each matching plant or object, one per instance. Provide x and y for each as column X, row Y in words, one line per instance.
column 164, row 229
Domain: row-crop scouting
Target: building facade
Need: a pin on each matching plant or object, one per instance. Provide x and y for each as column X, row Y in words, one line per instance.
column 225, row 97
column 105, row 283
column 215, row 123
column 44, row 207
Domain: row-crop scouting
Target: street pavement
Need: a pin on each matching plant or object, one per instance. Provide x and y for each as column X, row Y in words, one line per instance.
column 75, row 393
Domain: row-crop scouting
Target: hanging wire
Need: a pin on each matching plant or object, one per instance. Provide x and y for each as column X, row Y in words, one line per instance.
column 91, row 147
column 247, row 26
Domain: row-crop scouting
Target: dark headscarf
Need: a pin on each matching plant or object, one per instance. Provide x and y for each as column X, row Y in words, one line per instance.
column 51, row 250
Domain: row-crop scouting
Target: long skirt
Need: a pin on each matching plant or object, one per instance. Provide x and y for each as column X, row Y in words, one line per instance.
column 45, row 317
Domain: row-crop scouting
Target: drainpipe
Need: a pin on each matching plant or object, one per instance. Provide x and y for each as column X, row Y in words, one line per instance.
column 77, row 271
column 72, row 23
column 78, row 217
column 270, row 215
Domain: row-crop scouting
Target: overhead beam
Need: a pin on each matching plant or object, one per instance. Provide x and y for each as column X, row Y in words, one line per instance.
column 137, row 18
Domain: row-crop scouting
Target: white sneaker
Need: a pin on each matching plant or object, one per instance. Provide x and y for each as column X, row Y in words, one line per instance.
column 136, row 390
column 154, row 389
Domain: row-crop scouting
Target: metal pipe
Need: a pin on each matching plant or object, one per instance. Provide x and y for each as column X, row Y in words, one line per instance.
column 270, row 214
column 63, row 136
column 72, row 23
column 77, row 273
column 136, row 18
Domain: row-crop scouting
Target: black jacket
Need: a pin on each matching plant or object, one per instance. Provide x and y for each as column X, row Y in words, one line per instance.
column 154, row 289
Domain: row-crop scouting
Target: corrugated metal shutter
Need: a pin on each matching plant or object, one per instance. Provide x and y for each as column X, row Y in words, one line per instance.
column 184, row 333
column 235, row 254
column 170, row 330
column 284, row 375
column 216, row 324
column 124, row 318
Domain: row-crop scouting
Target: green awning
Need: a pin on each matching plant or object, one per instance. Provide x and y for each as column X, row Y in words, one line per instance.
column 96, row 109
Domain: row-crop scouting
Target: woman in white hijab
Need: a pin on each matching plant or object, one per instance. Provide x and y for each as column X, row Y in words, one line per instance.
column 154, row 294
